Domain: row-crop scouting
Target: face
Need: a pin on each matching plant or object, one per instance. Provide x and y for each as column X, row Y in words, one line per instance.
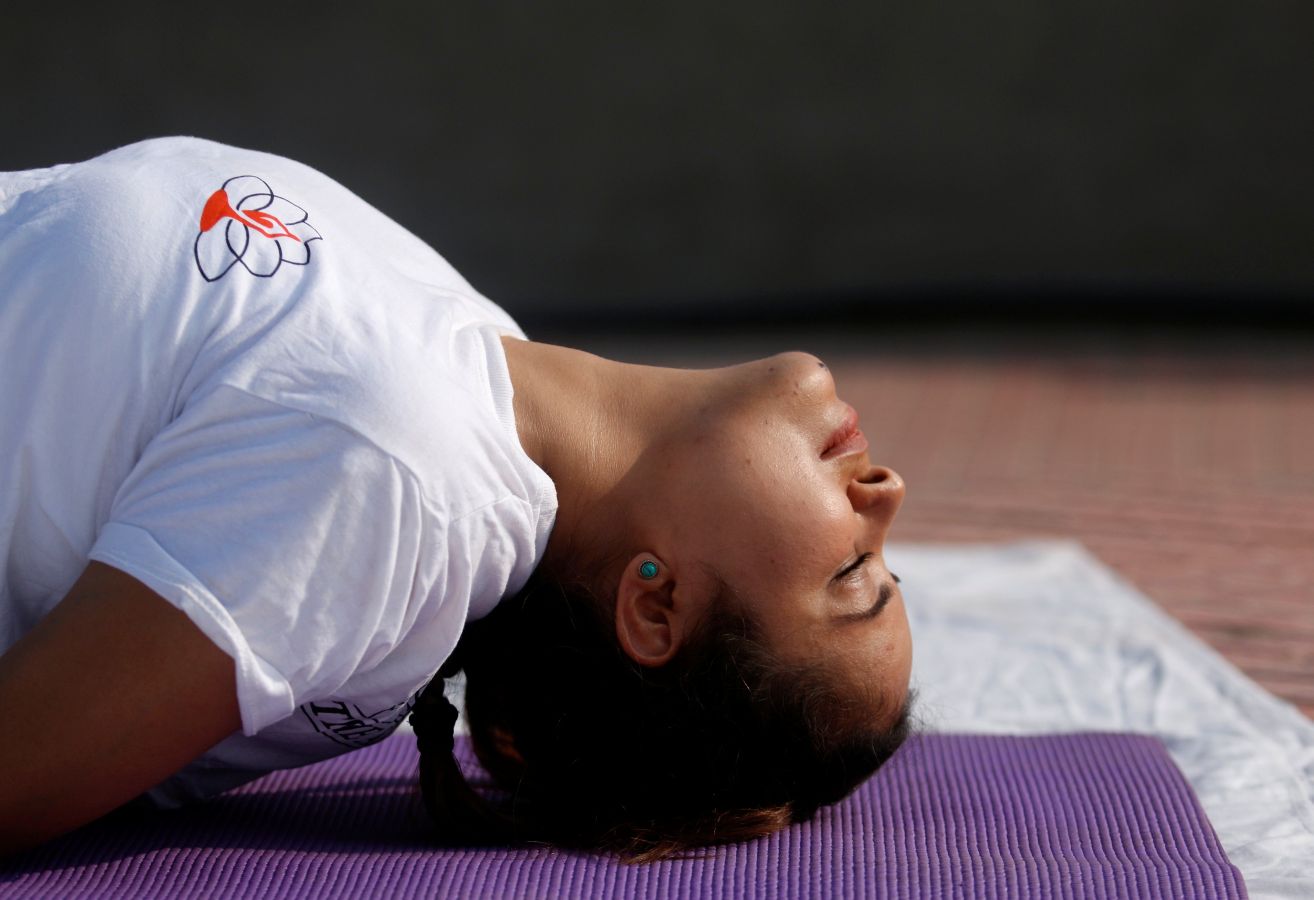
column 774, row 491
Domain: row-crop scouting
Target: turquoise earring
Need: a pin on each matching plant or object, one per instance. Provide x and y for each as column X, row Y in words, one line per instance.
column 648, row 569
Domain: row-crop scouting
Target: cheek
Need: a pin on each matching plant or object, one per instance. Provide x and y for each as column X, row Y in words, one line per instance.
column 767, row 510
column 797, row 525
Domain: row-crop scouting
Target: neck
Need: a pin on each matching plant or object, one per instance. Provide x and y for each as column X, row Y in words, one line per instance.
column 586, row 421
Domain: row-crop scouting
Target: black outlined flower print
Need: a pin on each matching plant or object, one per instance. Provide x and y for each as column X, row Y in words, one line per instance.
column 246, row 222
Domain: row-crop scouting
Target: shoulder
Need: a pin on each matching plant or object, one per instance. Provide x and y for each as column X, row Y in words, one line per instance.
column 137, row 205
column 186, row 152
column 171, row 174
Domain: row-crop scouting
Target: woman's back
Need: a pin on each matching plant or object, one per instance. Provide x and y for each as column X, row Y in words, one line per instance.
column 229, row 377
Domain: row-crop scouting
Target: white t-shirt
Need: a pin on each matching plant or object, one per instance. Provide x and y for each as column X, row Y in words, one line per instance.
column 228, row 376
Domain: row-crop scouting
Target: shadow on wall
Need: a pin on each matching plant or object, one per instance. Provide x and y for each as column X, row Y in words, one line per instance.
column 593, row 159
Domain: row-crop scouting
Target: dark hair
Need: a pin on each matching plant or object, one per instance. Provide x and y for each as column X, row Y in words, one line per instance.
column 591, row 750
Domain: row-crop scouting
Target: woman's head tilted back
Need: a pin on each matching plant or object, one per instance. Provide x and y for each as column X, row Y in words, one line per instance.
column 712, row 647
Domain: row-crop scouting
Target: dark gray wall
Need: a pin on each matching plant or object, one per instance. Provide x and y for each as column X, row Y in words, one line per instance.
column 679, row 155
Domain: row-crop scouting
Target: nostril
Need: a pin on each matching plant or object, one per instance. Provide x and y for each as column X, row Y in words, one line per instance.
column 877, row 475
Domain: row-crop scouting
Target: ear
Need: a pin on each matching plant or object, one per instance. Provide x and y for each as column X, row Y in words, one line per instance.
column 649, row 625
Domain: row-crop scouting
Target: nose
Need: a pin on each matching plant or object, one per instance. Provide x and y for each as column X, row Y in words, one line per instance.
column 877, row 490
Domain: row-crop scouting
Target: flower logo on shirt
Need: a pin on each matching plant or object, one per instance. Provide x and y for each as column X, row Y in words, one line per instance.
column 246, row 222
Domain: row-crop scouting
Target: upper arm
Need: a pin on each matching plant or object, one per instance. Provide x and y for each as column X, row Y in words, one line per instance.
column 113, row 691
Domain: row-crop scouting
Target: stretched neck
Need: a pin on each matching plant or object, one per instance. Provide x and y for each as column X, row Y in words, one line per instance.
column 587, row 421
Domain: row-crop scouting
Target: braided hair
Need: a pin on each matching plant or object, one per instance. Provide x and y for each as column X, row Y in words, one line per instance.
column 590, row 750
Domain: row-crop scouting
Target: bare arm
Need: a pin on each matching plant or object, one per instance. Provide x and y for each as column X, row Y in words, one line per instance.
column 111, row 693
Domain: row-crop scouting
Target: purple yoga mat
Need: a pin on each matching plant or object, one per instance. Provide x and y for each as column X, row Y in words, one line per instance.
column 1074, row 815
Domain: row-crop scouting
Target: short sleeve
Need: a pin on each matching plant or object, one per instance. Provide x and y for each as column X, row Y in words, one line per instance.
column 298, row 546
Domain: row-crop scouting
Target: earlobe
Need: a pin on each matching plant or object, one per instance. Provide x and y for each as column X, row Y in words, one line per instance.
column 648, row 625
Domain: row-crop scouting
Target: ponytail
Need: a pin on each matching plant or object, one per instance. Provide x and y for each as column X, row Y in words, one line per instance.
column 458, row 812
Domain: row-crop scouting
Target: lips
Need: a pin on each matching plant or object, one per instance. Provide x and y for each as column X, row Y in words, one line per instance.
column 845, row 439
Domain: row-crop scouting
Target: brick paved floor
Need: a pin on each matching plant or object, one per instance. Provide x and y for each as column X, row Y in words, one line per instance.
column 1184, row 462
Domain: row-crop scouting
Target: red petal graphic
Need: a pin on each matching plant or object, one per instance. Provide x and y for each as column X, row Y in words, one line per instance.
column 266, row 221
column 218, row 207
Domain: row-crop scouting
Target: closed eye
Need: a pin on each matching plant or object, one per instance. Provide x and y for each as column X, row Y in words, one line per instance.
column 852, row 572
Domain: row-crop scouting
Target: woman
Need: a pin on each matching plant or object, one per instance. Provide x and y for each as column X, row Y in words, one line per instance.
column 270, row 462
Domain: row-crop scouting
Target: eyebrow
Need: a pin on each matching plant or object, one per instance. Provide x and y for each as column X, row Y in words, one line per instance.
column 882, row 598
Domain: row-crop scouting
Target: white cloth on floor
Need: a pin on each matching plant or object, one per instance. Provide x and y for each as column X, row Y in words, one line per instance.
column 1040, row 636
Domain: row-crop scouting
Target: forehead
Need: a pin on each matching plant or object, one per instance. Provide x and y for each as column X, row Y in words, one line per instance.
column 873, row 654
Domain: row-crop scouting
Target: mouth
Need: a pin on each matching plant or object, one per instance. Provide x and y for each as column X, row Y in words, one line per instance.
column 845, row 439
